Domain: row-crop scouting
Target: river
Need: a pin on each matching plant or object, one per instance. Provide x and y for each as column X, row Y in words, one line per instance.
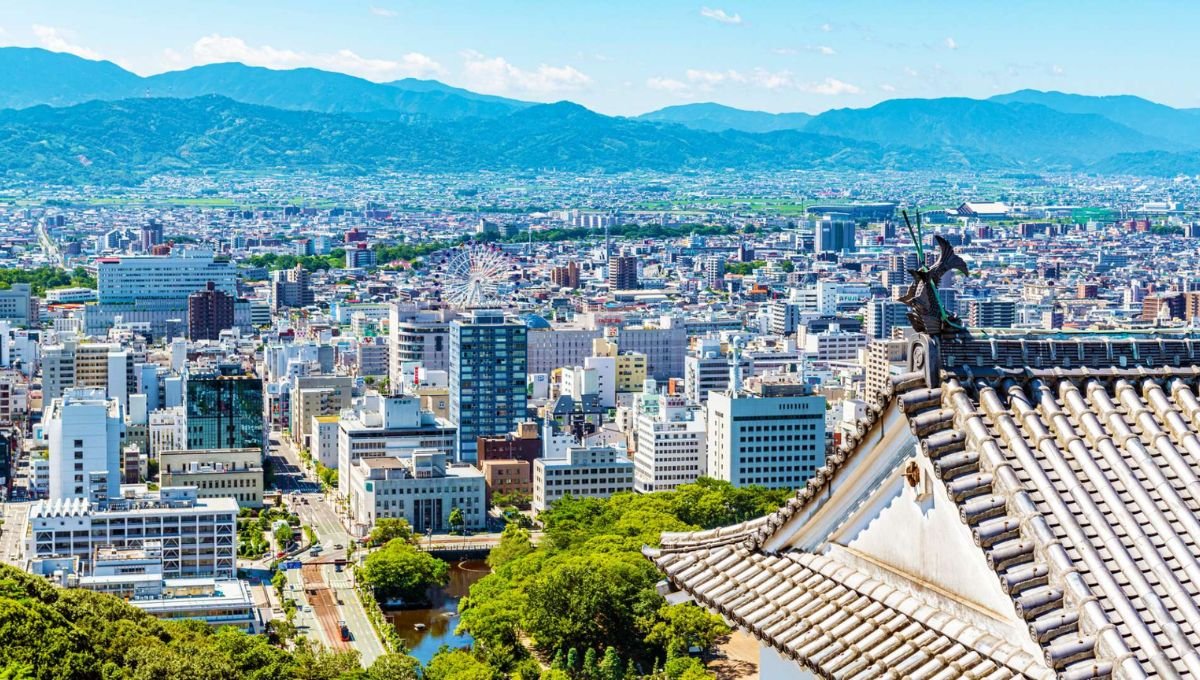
column 441, row 619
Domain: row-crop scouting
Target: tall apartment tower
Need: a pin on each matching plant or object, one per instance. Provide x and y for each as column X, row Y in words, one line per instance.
column 210, row 311
column 290, row 288
column 884, row 315
column 151, row 235
column 714, row 272
column 84, row 430
column 487, row 377
column 622, row 273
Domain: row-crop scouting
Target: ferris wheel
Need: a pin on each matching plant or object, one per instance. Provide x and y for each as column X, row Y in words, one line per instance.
column 473, row 276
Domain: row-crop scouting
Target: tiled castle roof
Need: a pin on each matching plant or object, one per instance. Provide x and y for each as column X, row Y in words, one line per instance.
column 839, row 622
column 1075, row 463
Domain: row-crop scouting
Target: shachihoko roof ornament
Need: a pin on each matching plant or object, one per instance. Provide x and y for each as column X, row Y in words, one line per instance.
column 926, row 312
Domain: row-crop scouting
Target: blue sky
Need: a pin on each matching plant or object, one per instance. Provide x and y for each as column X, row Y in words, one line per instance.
column 624, row 57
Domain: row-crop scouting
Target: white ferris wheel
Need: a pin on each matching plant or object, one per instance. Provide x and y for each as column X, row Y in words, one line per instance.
column 473, row 276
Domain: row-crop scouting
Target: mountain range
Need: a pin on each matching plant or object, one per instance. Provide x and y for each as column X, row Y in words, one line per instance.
column 68, row 119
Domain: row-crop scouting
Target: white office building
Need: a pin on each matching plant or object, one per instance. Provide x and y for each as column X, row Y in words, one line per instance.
column 198, row 535
column 670, row 444
column 833, row 344
column 136, row 576
column 134, row 278
column 392, row 426
column 167, row 430
column 422, row 488
column 772, row 434
column 84, row 430
column 584, row 471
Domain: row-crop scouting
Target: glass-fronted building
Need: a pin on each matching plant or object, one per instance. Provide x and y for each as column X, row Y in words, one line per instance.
column 487, row 377
column 225, row 411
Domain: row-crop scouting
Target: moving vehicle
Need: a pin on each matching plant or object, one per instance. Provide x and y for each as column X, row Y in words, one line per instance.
column 345, row 631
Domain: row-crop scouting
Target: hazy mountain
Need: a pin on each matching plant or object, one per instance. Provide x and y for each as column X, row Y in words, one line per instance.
column 31, row 76
column 420, row 85
column 1024, row 133
column 131, row 139
column 34, row 76
column 232, row 116
column 718, row 117
column 309, row 89
column 1147, row 117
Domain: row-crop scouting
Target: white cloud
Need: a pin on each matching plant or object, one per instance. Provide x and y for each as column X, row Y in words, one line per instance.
column 384, row 12
column 1056, row 70
column 887, row 88
column 720, row 15
column 667, row 85
column 497, row 75
column 217, row 48
column 59, row 40
column 828, row 28
column 911, row 72
column 832, row 87
column 785, row 51
column 822, row 49
column 759, row 77
column 951, row 44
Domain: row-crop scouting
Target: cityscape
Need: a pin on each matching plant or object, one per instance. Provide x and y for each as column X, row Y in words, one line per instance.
column 328, row 367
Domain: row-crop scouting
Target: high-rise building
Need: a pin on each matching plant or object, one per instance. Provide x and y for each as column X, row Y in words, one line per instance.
column 291, row 288
column 107, row 366
column 834, row 234
column 622, row 272
column 714, row 272
column 670, row 445
column 771, row 434
column 151, row 235
column 991, row 313
column 566, row 276
column 487, row 377
column 359, row 256
column 209, row 312
column 899, row 264
column 225, row 411
column 417, row 336
column 18, row 305
column 883, row 316
column 84, row 429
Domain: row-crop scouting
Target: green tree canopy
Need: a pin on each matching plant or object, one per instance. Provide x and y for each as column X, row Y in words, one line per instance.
column 388, row 529
column 401, row 570
column 458, row 665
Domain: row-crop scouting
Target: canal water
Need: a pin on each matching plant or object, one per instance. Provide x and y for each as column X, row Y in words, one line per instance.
column 440, row 620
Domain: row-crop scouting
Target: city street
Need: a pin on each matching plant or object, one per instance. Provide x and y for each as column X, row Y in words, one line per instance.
column 333, row 588
column 12, row 534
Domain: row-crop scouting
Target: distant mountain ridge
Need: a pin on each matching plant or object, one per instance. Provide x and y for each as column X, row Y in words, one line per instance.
column 33, row 76
column 76, row 120
column 718, row 117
